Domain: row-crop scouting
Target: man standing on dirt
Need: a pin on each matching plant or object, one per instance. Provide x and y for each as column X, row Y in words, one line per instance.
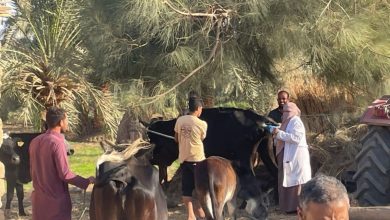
column 276, row 115
column 190, row 131
column 323, row 197
column 50, row 171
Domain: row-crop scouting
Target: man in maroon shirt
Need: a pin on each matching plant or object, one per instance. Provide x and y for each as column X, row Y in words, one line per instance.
column 50, row 171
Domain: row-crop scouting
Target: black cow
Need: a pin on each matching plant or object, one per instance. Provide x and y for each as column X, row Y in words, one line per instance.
column 127, row 187
column 14, row 155
column 232, row 133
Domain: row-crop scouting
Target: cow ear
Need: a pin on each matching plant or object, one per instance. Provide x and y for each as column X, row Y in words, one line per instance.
column 20, row 143
column 106, row 147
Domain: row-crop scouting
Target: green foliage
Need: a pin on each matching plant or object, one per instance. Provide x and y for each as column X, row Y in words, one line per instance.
column 159, row 42
column 133, row 94
column 223, row 49
column 44, row 65
column 344, row 41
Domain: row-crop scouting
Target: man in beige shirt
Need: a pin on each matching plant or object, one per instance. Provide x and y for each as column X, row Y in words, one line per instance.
column 190, row 131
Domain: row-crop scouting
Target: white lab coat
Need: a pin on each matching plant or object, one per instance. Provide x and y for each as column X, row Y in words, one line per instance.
column 296, row 159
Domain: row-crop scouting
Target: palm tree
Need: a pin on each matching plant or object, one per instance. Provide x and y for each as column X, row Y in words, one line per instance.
column 43, row 63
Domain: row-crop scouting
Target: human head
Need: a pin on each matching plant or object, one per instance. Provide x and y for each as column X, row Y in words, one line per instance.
column 283, row 98
column 195, row 106
column 193, row 94
column 290, row 110
column 323, row 197
column 56, row 117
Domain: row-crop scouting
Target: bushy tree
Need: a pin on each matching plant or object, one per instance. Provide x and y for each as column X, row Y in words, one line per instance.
column 228, row 46
column 210, row 46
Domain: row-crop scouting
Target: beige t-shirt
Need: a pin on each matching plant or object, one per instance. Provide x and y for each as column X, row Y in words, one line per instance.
column 191, row 132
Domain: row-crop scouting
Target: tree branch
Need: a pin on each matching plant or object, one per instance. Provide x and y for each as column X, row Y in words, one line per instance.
column 323, row 11
column 209, row 60
column 216, row 12
column 189, row 13
column 377, row 53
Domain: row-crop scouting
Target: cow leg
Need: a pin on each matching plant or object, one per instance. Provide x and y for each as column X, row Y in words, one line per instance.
column 163, row 174
column 231, row 208
column 20, row 195
column 10, row 193
column 92, row 213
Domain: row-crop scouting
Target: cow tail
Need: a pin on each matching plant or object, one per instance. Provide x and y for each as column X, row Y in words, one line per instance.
column 214, row 203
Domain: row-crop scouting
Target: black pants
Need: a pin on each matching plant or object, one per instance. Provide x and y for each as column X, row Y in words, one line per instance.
column 188, row 179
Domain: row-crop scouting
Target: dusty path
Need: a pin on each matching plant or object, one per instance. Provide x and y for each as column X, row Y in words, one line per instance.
column 81, row 204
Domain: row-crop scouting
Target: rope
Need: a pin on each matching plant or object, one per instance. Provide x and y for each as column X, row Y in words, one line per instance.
column 86, row 208
column 160, row 134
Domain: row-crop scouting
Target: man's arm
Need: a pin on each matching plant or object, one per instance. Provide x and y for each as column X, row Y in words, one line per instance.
column 62, row 166
column 176, row 129
column 204, row 131
column 176, row 137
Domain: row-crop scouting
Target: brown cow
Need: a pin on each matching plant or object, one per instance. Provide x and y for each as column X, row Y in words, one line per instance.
column 127, row 187
column 216, row 184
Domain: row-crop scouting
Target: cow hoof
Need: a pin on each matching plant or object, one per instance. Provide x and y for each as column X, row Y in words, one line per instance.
column 22, row 214
column 7, row 213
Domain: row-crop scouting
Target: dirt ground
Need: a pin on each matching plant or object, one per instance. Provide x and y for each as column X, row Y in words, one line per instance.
column 80, row 209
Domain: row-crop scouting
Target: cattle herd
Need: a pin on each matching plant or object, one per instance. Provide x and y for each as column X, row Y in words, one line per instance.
column 130, row 187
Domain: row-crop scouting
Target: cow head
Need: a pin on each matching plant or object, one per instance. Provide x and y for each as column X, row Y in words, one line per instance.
column 256, row 137
column 246, row 117
column 115, row 157
column 250, row 191
column 8, row 149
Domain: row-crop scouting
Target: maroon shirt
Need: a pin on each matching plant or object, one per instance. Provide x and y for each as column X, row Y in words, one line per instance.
column 50, row 175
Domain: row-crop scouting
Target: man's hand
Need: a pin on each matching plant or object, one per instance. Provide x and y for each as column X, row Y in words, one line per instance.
column 271, row 128
column 91, row 180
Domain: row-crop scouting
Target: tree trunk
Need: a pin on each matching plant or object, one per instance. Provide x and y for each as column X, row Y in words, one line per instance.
column 207, row 91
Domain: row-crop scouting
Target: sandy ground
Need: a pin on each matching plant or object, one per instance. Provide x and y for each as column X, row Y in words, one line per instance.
column 80, row 209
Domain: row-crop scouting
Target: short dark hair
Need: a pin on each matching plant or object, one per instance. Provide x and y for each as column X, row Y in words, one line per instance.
column 54, row 115
column 194, row 103
column 284, row 91
column 193, row 94
column 322, row 189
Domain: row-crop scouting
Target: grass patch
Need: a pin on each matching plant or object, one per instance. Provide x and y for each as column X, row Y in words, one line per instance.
column 83, row 162
column 173, row 168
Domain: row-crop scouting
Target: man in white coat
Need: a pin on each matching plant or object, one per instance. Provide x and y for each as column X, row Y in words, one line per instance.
column 292, row 157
